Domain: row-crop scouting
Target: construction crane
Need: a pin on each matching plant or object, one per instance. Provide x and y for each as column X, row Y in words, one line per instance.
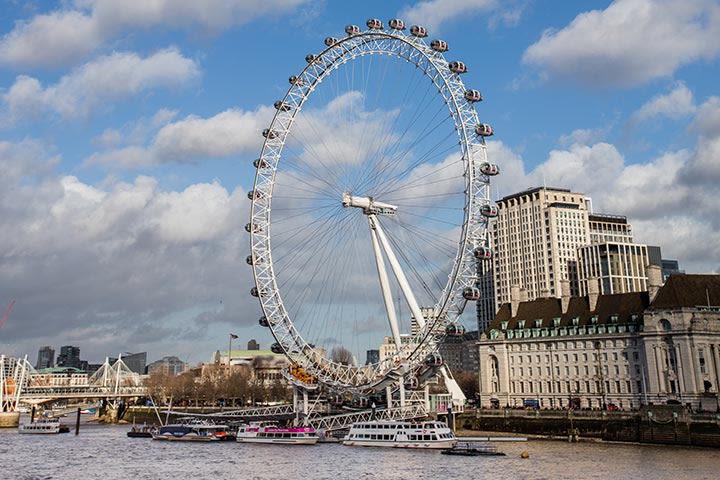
column 7, row 313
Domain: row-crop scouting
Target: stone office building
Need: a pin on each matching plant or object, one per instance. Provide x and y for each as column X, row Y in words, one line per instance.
column 606, row 351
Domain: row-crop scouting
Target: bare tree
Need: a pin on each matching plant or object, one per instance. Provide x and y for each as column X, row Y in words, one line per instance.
column 341, row 355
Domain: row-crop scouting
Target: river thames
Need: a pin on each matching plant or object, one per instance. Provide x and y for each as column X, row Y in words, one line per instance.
column 105, row 452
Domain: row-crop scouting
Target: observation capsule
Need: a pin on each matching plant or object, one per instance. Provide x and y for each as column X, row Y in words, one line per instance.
column 360, row 401
column 411, row 383
column 255, row 292
column 263, row 321
column 439, row 45
column 336, row 399
column 310, row 58
column 455, row 330
column 282, row 106
column 457, row 67
column 483, row 130
column 471, row 293
column 295, row 80
column 489, row 169
column 489, row 210
column 418, row 31
column 473, row 96
column 482, row 252
column 250, row 260
column 253, row 195
column 352, row 29
column 397, row 24
column 374, row 24
column 330, row 41
column 276, row 348
column 267, row 133
column 260, row 163
column 433, row 360
column 252, row 228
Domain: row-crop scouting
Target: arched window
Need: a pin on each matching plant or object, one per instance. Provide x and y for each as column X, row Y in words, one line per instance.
column 664, row 325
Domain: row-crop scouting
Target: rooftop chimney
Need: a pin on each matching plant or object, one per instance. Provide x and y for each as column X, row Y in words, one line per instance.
column 564, row 295
column 654, row 280
column 593, row 292
column 514, row 299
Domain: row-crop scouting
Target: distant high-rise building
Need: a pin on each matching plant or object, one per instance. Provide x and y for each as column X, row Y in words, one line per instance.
column 135, row 361
column 45, row 358
column 485, row 305
column 167, row 366
column 670, row 267
column 253, row 345
column 609, row 228
column 69, row 357
column 534, row 239
column 621, row 267
column 372, row 356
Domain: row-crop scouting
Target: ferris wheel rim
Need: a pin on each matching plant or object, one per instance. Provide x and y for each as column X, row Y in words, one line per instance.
column 276, row 315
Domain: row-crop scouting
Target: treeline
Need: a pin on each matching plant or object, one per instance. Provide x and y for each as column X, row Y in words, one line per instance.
column 215, row 385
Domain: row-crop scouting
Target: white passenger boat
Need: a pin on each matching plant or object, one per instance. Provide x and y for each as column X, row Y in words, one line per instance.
column 194, row 431
column 43, row 425
column 271, row 433
column 388, row 433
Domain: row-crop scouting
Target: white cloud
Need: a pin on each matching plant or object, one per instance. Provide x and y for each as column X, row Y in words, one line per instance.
column 119, row 261
column 676, row 104
column 707, row 120
column 433, row 13
column 583, row 136
column 65, row 36
column 190, row 139
column 104, row 80
column 630, row 42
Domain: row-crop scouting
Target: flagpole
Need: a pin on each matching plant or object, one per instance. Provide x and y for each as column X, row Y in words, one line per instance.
column 229, row 349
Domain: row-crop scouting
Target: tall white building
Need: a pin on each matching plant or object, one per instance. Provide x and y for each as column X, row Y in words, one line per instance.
column 535, row 239
column 621, row 267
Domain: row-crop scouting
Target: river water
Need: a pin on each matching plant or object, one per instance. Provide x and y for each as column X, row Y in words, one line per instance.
column 105, row 452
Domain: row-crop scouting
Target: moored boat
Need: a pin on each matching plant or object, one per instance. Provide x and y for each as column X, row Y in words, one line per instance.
column 469, row 449
column 271, row 433
column 194, row 431
column 44, row 425
column 388, row 433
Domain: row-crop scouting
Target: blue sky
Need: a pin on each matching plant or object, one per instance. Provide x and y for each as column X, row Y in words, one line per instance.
column 127, row 131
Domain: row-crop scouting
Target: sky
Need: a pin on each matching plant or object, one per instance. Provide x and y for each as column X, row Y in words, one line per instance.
column 128, row 130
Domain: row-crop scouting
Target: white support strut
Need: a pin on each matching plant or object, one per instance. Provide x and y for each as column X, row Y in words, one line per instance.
column 384, row 283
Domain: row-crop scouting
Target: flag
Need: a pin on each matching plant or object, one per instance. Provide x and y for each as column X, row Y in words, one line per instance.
column 233, row 336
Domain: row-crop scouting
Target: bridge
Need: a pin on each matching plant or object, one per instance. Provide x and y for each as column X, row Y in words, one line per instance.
column 112, row 382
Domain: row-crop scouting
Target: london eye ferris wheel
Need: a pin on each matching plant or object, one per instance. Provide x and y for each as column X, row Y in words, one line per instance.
column 370, row 206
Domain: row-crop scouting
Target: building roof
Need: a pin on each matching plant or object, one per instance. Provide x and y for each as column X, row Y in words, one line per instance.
column 530, row 191
column 689, row 291
column 624, row 305
column 51, row 370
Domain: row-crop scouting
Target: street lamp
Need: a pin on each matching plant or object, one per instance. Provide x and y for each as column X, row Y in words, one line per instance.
column 232, row 337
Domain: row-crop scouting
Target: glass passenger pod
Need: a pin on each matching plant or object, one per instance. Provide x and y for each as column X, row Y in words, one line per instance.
column 433, row 360
column 439, row 45
column 267, row 133
column 263, row 321
column 252, row 228
column 251, row 260
column 310, row 58
column 360, row 401
column 483, row 130
column 489, row 210
column 336, row 399
column 276, row 348
column 482, row 252
column 295, row 80
column 352, row 29
column 489, row 169
column 473, row 96
column 330, row 41
column 253, row 195
column 471, row 293
column 397, row 24
column 455, row 330
column 255, row 292
column 418, row 31
column 411, row 382
column 458, row 67
column 260, row 163
column 282, row 106
column 374, row 24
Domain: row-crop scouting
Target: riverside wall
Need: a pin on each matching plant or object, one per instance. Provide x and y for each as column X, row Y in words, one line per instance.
column 670, row 425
